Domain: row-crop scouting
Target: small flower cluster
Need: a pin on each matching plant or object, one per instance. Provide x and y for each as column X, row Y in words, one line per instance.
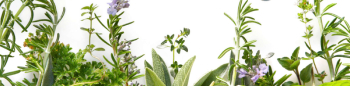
column 116, row 5
column 256, row 73
column 128, row 58
column 124, row 45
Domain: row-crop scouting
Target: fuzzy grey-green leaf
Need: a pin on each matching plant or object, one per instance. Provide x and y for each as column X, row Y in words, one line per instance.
column 152, row 79
column 183, row 76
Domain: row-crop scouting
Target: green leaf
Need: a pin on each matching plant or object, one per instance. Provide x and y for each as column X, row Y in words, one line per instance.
column 329, row 6
column 305, row 74
column 251, row 21
column 249, row 43
column 160, row 68
column 337, row 83
column 136, row 77
column 342, row 73
column 295, row 64
column 230, row 18
column 222, row 80
column 48, row 78
column 211, row 76
column 152, row 79
column 331, row 14
column 183, row 76
column 285, row 63
column 225, row 51
column 11, row 73
column 295, row 53
column 99, row 49
column 86, row 8
column 103, row 40
column 290, row 83
column 82, row 14
column 62, row 14
column 184, row 48
column 147, row 65
column 281, row 80
column 101, row 22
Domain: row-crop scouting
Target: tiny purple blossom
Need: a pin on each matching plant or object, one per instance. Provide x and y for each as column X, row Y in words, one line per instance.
column 259, row 73
column 117, row 5
column 255, row 78
column 242, row 73
column 263, row 68
column 112, row 11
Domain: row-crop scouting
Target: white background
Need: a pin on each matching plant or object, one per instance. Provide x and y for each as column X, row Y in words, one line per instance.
column 211, row 32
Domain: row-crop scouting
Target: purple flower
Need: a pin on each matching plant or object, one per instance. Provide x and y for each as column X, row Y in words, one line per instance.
column 263, row 68
column 112, row 11
column 242, row 73
column 117, row 5
column 255, row 78
column 259, row 73
column 255, row 75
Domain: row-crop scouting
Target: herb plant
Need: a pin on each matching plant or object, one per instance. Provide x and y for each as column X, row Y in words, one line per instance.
column 39, row 57
column 254, row 71
column 179, row 40
column 124, row 69
column 327, row 52
column 7, row 22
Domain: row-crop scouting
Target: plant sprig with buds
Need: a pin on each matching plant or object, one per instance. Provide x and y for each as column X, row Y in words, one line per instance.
column 178, row 45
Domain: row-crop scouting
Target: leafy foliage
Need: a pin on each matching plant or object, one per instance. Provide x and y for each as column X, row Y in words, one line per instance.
column 178, row 45
column 71, row 68
column 159, row 76
column 337, row 83
column 7, row 22
column 124, row 69
column 328, row 52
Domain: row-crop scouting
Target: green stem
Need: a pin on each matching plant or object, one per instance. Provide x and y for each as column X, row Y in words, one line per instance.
column 312, row 76
column 40, row 74
column 296, row 71
column 174, row 56
column 233, row 82
column 320, row 24
column 313, row 61
column 175, row 49
column 331, row 68
column 45, row 61
column 329, row 60
column 90, row 29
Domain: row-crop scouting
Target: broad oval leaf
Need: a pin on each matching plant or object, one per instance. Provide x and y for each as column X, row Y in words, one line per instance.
column 295, row 53
column 147, row 65
column 337, row 83
column 183, row 76
column 284, row 63
column 160, row 68
column 152, row 79
column 295, row 64
column 305, row 74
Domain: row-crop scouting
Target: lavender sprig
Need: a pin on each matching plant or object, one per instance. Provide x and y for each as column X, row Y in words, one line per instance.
column 117, row 5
